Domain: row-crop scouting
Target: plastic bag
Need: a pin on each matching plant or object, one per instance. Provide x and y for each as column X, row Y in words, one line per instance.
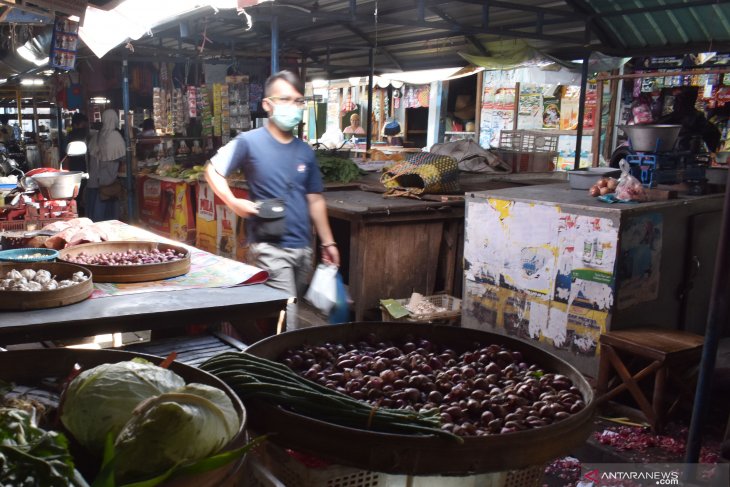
column 322, row 292
column 340, row 312
column 629, row 188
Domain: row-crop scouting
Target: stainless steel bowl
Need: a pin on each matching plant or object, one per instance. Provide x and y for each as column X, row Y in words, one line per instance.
column 652, row 138
column 59, row 185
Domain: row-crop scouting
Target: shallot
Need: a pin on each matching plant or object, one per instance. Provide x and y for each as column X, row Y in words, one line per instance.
column 129, row 257
column 483, row 390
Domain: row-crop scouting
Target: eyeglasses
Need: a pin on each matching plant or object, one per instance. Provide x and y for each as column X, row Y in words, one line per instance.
column 287, row 100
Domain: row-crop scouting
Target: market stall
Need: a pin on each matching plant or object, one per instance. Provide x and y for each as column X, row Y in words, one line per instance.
column 556, row 267
column 210, row 290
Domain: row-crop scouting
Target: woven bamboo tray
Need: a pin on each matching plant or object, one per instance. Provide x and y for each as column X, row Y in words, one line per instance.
column 131, row 273
column 25, row 300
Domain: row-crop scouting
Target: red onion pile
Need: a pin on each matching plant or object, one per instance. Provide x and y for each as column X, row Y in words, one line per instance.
column 129, row 257
column 482, row 391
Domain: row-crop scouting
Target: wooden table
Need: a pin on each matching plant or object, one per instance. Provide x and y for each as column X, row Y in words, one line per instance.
column 393, row 247
column 145, row 311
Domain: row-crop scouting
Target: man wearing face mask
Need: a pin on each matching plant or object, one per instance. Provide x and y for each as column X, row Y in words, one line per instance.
column 283, row 169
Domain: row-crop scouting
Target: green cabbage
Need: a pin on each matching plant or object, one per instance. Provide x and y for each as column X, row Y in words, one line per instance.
column 102, row 399
column 175, row 428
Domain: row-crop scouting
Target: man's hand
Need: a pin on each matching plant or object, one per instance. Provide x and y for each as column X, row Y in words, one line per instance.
column 330, row 255
column 243, row 208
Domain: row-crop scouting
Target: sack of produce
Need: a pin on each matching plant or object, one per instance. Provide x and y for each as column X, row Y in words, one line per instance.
column 421, row 173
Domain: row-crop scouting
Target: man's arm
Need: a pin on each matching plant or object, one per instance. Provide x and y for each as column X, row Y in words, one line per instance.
column 240, row 206
column 318, row 214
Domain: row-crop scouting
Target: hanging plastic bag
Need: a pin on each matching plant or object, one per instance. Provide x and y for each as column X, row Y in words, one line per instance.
column 322, row 292
column 629, row 188
column 340, row 312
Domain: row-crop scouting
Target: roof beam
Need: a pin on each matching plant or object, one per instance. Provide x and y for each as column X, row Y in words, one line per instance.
column 367, row 39
column 657, row 8
column 594, row 24
column 571, row 14
column 472, row 39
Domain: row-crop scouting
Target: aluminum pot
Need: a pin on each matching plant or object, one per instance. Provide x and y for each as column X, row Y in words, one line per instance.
column 59, row 185
column 652, row 138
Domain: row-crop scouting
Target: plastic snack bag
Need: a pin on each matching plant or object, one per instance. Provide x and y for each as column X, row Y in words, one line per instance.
column 629, row 188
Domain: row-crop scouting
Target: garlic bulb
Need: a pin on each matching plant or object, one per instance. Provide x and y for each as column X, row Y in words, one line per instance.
column 19, row 286
column 50, row 285
column 78, row 277
column 65, row 283
column 42, row 279
column 14, row 275
column 42, row 274
column 33, row 286
column 6, row 283
column 28, row 274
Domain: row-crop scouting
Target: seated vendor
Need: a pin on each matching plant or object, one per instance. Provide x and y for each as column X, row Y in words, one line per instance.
column 354, row 128
column 392, row 132
column 147, row 140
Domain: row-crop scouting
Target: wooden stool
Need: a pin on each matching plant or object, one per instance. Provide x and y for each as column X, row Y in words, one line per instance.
column 672, row 353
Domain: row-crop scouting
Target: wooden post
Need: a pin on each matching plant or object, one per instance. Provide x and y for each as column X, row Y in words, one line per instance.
column 611, row 127
column 517, row 106
column 478, row 115
column 596, row 146
column 581, row 111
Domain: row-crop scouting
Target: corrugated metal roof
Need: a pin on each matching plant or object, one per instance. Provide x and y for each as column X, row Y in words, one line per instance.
column 665, row 25
column 334, row 36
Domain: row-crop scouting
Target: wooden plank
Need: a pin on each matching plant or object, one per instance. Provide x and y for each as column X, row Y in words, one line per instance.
column 356, row 269
column 596, row 141
column 610, row 128
column 515, row 121
column 398, row 260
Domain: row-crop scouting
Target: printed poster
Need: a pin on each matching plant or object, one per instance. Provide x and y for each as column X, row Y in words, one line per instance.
column 530, row 107
column 551, row 113
column 641, row 255
column 540, row 274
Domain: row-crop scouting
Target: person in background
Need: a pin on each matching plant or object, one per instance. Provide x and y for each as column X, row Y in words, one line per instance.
column 392, row 132
column 694, row 124
column 79, row 132
column 147, row 140
column 354, row 128
column 107, row 149
column 278, row 165
column 6, row 131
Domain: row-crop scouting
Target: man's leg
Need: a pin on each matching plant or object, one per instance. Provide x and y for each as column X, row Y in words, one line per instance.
column 280, row 264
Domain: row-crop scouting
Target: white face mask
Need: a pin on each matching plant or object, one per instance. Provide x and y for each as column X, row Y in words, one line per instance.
column 287, row 117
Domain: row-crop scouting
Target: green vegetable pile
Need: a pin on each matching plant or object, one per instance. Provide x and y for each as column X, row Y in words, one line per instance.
column 30, row 456
column 337, row 169
column 155, row 421
column 255, row 377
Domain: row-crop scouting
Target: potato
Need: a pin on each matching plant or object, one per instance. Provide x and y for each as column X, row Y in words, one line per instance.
column 602, row 183
column 604, row 190
column 611, row 184
column 594, row 191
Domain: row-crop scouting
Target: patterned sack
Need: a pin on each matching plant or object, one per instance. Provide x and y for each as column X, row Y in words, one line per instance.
column 422, row 172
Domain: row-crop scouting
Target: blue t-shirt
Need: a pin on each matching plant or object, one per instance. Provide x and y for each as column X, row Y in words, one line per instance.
column 275, row 170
